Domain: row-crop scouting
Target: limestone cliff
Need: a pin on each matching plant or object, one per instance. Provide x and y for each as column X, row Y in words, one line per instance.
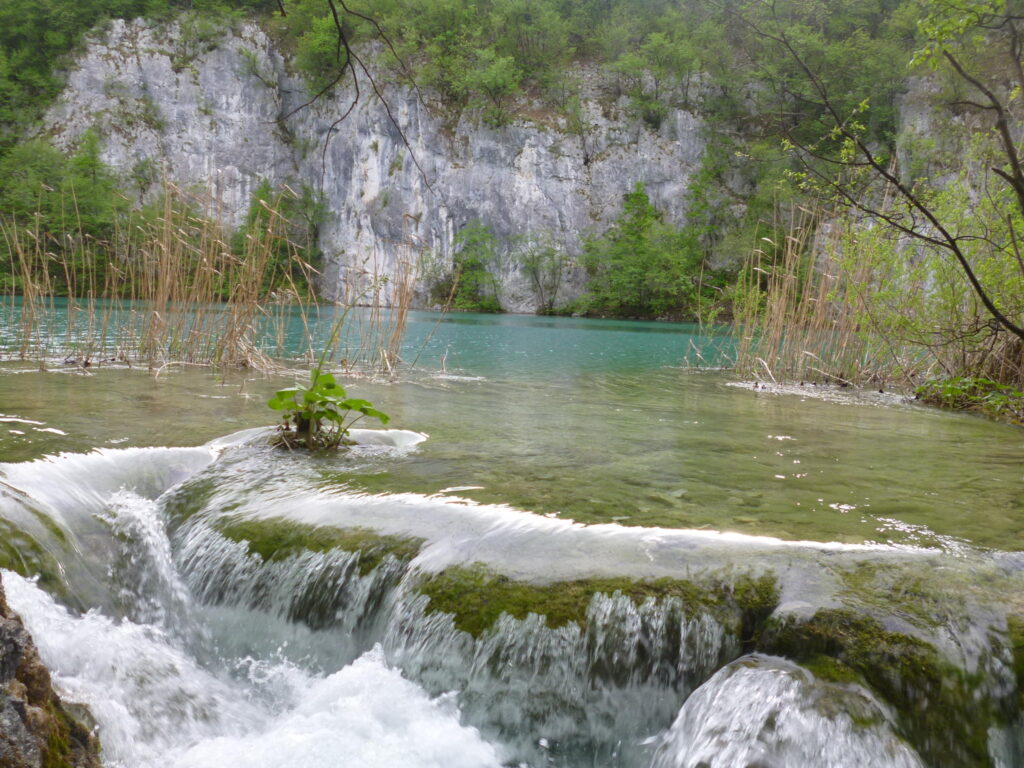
column 223, row 111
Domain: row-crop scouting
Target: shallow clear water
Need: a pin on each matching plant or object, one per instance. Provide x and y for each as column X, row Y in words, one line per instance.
column 591, row 420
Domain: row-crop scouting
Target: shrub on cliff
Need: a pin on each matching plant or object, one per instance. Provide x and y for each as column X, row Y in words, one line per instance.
column 643, row 267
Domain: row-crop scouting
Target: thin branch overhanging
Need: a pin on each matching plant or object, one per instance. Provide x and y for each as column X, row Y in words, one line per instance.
column 946, row 239
column 343, row 46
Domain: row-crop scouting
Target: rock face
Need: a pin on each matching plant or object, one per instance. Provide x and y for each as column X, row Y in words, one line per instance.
column 35, row 728
column 222, row 111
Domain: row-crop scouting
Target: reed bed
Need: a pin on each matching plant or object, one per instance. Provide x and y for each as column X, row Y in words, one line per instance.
column 805, row 310
column 837, row 299
column 176, row 287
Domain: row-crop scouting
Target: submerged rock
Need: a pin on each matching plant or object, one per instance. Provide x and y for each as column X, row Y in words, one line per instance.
column 35, row 727
column 768, row 712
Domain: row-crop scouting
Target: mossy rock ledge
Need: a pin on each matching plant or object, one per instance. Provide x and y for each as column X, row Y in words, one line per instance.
column 477, row 597
column 36, row 729
column 23, row 554
column 943, row 711
column 276, row 539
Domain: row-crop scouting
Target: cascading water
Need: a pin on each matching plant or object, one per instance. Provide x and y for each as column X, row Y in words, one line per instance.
column 165, row 693
column 566, row 695
column 156, row 705
column 206, row 652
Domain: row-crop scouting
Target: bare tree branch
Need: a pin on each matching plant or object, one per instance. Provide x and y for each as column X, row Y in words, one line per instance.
column 343, row 46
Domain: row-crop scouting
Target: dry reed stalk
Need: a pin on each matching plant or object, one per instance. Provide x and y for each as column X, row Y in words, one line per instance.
column 389, row 326
column 402, row 295
column 168, row 288
column 804, row 313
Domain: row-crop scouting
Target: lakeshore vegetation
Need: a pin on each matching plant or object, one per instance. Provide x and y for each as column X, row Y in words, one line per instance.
column 829, row 262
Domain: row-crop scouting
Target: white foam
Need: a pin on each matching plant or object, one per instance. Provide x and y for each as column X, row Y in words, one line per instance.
column 157, row 706
column 393, row 438
column 365, row 715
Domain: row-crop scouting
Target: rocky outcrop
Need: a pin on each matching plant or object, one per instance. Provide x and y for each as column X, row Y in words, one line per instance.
column 35, row 727
column 224, row 112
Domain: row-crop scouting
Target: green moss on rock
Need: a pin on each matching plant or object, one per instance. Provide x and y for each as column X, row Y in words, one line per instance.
column 477, row 597
column 922, row 597
column 21, row 553
column 57, row 753
column 831, row 670
column 276, row 539
column 69, row 744
column 934, row 700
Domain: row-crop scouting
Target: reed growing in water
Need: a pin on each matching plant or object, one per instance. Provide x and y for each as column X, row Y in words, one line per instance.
column 834, row 297
column 175, row 286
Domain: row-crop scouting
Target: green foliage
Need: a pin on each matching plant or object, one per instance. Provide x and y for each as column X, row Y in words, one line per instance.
column 857, row 48
column 318, row 416
column 963, row 24
column 472, row 284
column 966, row 393
column 317, row 53
column 71, row 201
column 279, row 220
column 496, row 78
column 651, row 72
column 199, row 32
column 545, row 263
column 642, row 267
column 37, row 38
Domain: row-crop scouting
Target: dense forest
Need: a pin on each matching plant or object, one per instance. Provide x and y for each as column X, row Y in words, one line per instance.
column 800, row 100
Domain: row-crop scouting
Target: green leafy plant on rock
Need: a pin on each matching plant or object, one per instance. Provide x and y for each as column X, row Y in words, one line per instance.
column 320, row 415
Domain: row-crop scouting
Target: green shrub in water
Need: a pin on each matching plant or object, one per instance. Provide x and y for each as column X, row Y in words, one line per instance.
column 974, row 393
column 319, row 416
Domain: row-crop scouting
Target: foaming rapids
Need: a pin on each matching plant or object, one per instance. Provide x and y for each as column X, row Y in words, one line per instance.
column 158, row 705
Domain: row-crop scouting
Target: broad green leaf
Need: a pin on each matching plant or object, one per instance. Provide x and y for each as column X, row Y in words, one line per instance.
column 374, row 413
column 283, row 399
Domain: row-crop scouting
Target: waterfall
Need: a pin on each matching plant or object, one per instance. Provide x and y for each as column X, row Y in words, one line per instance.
column 149, row 589
column 589, row 692
column 318, row 602
column 196, row 647
column 566, row 694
